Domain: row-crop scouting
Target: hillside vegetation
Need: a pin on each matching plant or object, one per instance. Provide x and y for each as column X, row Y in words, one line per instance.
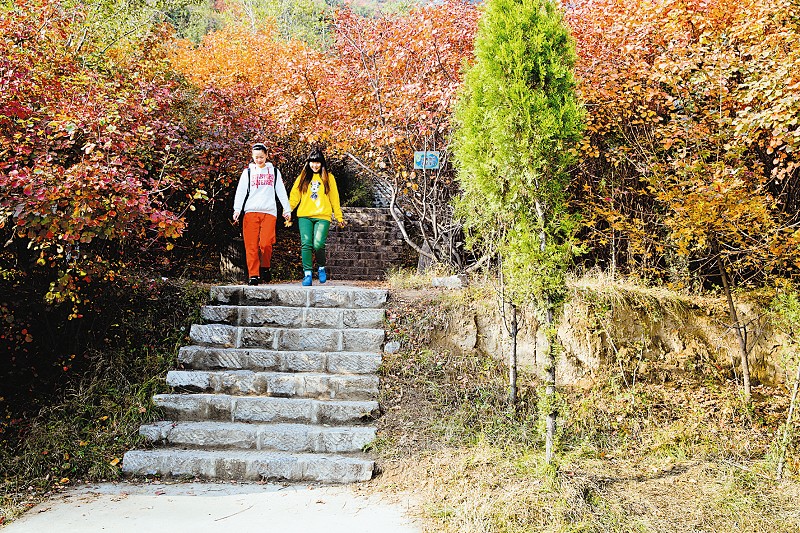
column 70, row 422
column 124, row 126
column 685, row 454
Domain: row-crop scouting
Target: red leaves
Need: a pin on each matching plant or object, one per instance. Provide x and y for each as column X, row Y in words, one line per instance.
column 399, row 74
column 15, row 110
column 96, row 154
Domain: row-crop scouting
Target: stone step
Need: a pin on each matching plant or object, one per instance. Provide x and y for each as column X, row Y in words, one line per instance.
column 293, row 317
column 250, row 465
column 294, row 296
column 296, row 438
column 230, row 408
column 279, row 384
column 302, row 339
column 344, row 269
column 209, row 358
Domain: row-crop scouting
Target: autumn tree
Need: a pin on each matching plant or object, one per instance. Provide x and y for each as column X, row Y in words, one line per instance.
column 684, row 121
column 252, row 86
column 99, row 26
column 517, row 118
column 111, row 164
column 383, row 89
column 303, row 20
column 91, row 163
column 395, row 81
column 689, row 171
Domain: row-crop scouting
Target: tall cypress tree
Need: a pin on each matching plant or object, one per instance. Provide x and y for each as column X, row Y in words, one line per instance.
column 516, row 119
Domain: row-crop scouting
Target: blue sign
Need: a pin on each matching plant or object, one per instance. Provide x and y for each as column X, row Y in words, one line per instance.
column 426, row 160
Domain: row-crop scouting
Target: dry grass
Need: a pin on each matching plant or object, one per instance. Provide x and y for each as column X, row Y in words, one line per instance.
column 79, row 432
column 410, row 278
column 600, row 287
column 685, row 456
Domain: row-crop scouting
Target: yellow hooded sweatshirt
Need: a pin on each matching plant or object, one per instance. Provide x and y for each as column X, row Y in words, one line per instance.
column 315, row 203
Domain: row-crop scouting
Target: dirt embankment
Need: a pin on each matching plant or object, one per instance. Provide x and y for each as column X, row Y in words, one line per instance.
column 647, row 333
column 655, row 438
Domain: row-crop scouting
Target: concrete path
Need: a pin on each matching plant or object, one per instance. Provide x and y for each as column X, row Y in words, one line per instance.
column 215, row 507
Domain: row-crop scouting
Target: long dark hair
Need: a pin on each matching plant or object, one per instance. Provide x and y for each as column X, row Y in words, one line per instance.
column 306, row 174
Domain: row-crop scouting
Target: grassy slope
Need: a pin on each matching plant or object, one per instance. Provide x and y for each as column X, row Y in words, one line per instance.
column 681, row 456
column 77, row 431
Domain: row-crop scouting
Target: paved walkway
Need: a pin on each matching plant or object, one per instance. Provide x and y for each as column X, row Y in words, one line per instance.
column 215, row 507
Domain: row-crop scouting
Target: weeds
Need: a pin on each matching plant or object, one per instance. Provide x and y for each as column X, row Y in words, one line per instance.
column 684, row 454
column 80, row 432
column 410, row 278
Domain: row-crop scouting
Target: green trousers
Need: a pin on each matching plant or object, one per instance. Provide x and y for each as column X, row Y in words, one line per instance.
column 313, row 234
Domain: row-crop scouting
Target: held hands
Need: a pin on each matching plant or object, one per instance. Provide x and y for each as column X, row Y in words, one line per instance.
column 341, row 223
column 287, row 218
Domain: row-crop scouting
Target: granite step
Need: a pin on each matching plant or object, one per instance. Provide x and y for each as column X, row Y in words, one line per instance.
column 298, row 438
column 293, row 317
column 199, row 407
column 210, row 358
column 294, row 296
column 278, row 384
column 282, row 379
column 301, row 339
column 247, row 465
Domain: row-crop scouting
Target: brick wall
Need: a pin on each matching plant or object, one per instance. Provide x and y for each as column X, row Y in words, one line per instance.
column 367, row 247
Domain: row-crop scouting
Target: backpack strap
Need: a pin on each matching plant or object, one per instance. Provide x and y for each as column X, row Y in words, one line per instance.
column 246, row 196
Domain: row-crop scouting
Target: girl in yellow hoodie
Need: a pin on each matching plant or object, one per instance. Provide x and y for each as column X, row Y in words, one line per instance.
column 315, row 192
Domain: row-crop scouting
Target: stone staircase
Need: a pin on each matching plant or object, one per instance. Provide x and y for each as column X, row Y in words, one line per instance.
column 280, row 383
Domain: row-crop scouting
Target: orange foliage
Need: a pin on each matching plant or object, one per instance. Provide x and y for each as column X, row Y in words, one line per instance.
column 384, row 89
column 685, row 111
column 401, row 74
column 278, row 82
column 690, row 151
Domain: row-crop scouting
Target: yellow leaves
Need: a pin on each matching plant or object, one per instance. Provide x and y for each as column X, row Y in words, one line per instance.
column 115, row 461
column 588, row 149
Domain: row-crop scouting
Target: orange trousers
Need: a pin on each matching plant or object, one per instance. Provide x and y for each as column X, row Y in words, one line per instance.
column 258, row 230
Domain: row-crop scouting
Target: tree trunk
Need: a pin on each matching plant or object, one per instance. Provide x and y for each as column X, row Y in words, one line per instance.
column 787, row 434
column 739, row 334
column 550, row 369
column 550, row 391
column 512, row 366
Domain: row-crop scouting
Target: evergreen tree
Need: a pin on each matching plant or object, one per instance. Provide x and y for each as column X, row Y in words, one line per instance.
column 516, row 120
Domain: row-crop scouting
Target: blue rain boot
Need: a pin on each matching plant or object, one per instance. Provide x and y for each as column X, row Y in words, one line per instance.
column 307, row 278
column 323, row 277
